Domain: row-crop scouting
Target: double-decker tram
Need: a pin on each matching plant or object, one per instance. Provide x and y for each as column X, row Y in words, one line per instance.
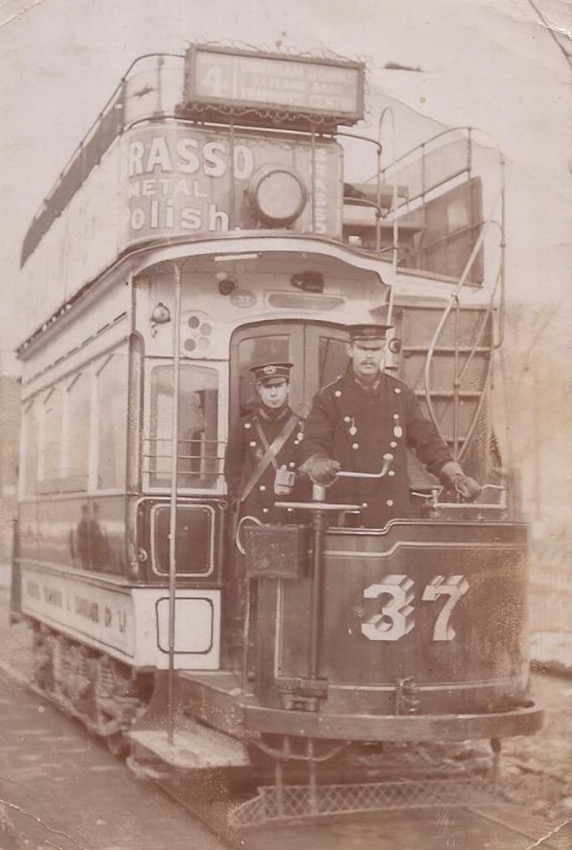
column 206, row 224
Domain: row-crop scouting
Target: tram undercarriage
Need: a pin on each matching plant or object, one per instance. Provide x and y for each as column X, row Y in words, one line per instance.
column 105, row 695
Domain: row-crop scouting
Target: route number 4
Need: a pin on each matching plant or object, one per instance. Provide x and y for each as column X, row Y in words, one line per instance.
column 396, row 619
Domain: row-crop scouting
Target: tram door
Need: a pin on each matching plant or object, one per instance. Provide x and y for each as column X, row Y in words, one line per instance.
column 317, row 352
column 318, row 355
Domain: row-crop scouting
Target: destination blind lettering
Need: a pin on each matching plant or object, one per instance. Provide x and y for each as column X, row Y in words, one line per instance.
column 278, row 82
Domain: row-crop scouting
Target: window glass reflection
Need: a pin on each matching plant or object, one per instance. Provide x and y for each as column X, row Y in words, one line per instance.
column 198, row 435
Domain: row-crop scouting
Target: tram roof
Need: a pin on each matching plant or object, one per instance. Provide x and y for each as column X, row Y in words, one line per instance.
column 282, row 251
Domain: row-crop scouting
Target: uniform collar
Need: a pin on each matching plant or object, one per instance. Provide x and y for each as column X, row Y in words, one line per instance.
column 270, row 415
column 368, row 388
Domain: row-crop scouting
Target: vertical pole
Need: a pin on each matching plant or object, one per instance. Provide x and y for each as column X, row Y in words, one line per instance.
column 312, row 785
column 315, row 593
column 173, row 509
column 279, row 784
column 160, row 63
column 502, row 259
column 378, row 192
column 395, row 225
column 496, row 746
column 313, row 182
column 318, row 495
column 234, row 219
column 456, row 381
column 246, row 631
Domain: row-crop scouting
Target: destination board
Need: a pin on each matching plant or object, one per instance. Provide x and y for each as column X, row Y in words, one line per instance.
column 262, row 81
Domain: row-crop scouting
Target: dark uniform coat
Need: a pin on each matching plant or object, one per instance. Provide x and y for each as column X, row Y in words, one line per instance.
column 244, row 450
column 356, row 425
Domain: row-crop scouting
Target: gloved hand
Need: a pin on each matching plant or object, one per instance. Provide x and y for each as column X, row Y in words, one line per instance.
column 467, row 488
column 453, row 476
column 322, row 470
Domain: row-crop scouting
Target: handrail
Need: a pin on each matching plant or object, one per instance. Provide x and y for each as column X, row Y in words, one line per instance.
column 498, row 289
column 450, row 130
column 387, row 460
column 453, row 302
column 395, row 222
column 115, row 107
column 421, row 152
column 432, row 498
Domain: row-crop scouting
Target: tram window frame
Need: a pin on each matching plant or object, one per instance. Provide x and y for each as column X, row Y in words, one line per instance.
column 66, row 478
column 110, row 407
column 75, row 477
column 30, row 448
column 49, row 470
column 211, row 478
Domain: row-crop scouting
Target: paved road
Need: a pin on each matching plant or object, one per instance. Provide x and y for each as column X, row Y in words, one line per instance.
column 61, row 788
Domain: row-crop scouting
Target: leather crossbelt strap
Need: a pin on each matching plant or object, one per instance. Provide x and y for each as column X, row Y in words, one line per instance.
column 269, row 457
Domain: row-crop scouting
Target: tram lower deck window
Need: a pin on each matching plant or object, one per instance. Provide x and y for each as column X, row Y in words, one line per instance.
column 198, row 415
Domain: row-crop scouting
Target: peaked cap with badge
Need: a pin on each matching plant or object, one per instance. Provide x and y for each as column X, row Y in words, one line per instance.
column 367, row 331
column 267, row 373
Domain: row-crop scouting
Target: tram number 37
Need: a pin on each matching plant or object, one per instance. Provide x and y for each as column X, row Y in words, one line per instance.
column 396, row 617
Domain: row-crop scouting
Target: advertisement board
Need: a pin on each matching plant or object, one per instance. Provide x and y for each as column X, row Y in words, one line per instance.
column 183, row 181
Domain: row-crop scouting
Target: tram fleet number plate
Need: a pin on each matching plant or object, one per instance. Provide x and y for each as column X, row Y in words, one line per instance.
column 396, row 617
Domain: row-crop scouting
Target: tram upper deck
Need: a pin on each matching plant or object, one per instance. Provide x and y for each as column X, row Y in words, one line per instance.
column 190, row 149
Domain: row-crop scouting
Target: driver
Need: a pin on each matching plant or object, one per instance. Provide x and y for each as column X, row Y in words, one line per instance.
column 363, row 415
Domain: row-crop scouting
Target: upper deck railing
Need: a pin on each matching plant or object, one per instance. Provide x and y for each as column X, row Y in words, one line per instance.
column 458, row 225
column 427, row 208
column 151, row 87
column 156, row 86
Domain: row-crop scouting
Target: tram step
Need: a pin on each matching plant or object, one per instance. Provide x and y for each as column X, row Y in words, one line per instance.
column 193, row 747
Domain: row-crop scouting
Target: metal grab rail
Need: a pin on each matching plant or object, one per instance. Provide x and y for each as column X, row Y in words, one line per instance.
column 240, row 523
column 318, row 502
column 387, row 459
column 419, row 157
column 453, row 302
column 432, row 498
